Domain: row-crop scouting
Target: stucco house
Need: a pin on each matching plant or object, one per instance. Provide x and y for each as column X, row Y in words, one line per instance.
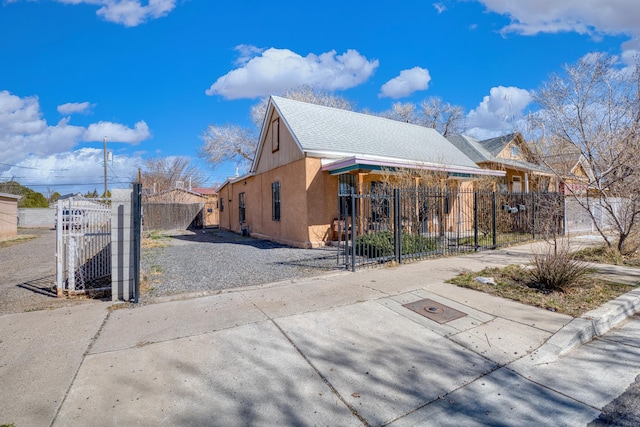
column 8, row 215
column 307, row 152
column 510, row 153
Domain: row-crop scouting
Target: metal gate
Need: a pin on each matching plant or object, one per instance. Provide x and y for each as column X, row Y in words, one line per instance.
column 83, row 251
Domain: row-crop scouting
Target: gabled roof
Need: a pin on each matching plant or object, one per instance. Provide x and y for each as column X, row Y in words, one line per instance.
column 497, row 144
column 176, row 190
column 332, row 133
column 205, row 191
column 470, row 147
column 486, row 151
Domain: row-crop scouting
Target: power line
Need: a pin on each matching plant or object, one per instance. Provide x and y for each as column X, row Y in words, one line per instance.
column 30, row 167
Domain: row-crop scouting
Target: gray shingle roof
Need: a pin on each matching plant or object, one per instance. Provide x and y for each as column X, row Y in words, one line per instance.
column 344, row 133
column 496, row 145
column 486, row 151
column 470, row 147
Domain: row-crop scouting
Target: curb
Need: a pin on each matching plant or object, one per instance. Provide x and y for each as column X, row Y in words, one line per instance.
column 587, row 327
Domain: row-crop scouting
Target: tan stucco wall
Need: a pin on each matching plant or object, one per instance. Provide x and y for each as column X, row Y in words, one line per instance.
column 322, row 203
column 308, row 204
column 8, row 218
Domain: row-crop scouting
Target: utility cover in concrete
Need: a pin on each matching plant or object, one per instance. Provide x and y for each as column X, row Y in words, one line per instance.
column 434, row 310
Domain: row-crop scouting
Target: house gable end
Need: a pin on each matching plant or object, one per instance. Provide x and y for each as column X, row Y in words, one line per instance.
column 522, row 151
column 278, row 145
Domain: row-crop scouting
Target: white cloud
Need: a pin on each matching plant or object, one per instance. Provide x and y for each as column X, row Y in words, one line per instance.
column 116, row 132
column 275, row 70
column 75, row 107
column 73, row 171
column 129, row 13
column 440, row 7
column 408, row 82
column 594, row 17
column 25, row 134
column 246, row 53
column 499, row 112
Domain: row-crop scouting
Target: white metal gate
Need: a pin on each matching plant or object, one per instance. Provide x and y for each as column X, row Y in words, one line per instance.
column 83, row 251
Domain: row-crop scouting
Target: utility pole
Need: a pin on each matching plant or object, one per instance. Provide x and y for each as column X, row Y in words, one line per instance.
column 105, row 166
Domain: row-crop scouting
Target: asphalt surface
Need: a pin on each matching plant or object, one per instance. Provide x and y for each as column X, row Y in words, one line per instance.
column 27, row 273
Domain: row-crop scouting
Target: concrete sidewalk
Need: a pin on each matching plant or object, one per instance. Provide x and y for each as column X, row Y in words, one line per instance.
column 339, row 349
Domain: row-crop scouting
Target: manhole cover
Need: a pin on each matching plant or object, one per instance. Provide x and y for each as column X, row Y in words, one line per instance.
column 434, row 310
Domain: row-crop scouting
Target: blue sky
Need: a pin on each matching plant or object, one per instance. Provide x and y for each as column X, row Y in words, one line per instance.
column 152, row 75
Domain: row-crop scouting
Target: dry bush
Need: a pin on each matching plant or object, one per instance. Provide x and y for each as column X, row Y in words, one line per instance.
column 556, row 268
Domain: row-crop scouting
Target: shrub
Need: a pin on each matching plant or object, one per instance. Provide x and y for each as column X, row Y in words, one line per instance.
column 555, row 268
column 381, row 244
column 375, row 245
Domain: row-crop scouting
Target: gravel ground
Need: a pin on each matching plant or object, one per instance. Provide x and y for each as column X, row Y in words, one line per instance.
column 27, row 273
column 203, row 260
column 209, row 260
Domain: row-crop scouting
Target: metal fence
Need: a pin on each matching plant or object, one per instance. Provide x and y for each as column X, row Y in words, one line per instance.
column 83, row 250
column 383, row 224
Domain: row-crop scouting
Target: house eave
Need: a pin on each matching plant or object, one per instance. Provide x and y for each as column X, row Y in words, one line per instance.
column 371, row 163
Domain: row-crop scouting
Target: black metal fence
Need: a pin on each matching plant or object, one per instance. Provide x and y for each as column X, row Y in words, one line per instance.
column 386, row 224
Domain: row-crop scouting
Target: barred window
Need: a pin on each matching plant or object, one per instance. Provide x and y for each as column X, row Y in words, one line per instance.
column 275, row 201
column 241, row 208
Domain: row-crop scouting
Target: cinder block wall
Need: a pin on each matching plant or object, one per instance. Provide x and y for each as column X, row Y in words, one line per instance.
column 36, row 217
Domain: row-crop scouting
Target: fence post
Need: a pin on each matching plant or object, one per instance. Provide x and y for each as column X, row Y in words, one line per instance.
column 494, row 221
column 339, row 228
column 136, row 213
column 397, row 226
column 125, row 241
column 475, row 221
column 353, row 231
column 533, row 216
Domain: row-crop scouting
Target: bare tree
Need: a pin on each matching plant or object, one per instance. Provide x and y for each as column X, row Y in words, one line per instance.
column 594, row 107
column 432, row 112
column 239, row 144
column 166, row 173
column 402, row 112
column 444, row 117
column 228, row 143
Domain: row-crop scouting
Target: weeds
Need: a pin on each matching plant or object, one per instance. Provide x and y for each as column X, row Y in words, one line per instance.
column 556, row 268
column 604, row 255
column 516, row 283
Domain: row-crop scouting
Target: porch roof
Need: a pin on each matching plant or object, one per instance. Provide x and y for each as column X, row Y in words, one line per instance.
column 371, row 163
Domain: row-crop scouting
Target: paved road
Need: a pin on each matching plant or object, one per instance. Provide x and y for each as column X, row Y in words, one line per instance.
column 27, row 274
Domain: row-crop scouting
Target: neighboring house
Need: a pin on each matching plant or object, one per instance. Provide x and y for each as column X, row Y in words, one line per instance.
column 308, row 153
column 211, row 212
column 509, row 153
column 174, row 195
column 206, row 215
column 8, row 215
column 572, row 168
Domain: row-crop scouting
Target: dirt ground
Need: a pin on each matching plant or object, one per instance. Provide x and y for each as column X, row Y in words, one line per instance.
column 27, row 273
